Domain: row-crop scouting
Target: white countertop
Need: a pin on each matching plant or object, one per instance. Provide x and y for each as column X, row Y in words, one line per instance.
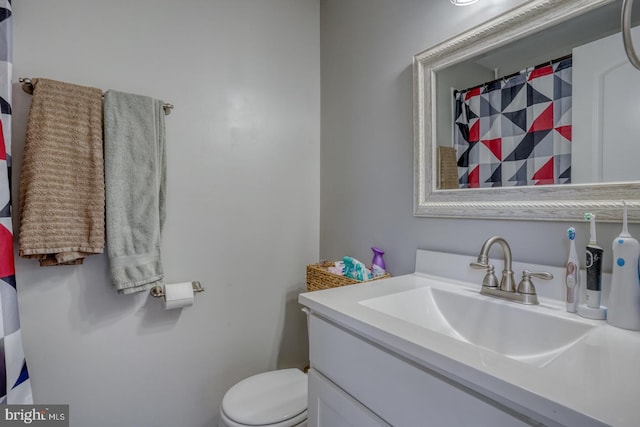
column 594, row 382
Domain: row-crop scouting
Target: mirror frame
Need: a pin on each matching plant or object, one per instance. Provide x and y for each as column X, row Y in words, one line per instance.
column 548, row 202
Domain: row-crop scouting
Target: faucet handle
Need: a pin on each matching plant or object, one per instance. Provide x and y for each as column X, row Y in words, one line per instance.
column 480, row 265
column 526, row 285
column 490, row 280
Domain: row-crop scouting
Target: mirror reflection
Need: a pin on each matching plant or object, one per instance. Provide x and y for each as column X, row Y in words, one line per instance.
column 556, row 107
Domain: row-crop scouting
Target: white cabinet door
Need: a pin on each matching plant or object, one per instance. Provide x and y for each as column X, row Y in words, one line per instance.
column 605, row 111
column 400, row 392
column 330, row 406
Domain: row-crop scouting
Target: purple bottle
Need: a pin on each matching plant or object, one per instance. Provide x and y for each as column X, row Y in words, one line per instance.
column 377, row 258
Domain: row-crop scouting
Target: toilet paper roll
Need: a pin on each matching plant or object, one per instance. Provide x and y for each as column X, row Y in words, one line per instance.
column 178, row 295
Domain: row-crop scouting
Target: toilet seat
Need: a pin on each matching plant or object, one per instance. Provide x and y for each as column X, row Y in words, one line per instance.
column 274, row 399
column 298, row 421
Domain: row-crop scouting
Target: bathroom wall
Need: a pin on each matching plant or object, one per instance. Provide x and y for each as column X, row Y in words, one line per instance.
column 367, row 140
column 247, row 209
column 243, row 146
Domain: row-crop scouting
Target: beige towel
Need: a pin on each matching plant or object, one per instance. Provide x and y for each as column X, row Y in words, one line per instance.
column 447, row 168
column 62, row 179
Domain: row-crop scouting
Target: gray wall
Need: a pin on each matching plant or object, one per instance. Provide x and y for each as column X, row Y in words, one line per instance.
column 367, row 140
column 243, row 147
column 247, row 209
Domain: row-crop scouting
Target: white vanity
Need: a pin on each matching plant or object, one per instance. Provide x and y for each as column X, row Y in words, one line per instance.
column 428, row 349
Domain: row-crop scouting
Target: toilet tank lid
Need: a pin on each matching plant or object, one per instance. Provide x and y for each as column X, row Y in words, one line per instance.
column 267, row 398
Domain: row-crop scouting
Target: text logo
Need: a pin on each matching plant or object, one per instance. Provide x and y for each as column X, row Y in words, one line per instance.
column 34, row 415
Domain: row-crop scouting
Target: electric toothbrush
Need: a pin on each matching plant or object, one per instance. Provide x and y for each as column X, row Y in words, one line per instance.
column 593, row 265
column 572, row 274
column 624, row 299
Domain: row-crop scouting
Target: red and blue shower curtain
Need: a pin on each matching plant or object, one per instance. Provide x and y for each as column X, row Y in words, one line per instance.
column 516, row 131
column 15, row 386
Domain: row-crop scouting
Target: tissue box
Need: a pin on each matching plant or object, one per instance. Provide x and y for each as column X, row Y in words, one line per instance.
column 318, row 278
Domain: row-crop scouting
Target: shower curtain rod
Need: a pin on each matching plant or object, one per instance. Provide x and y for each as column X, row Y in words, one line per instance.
column 544, row 64
column 27, row 86
column 535, row 67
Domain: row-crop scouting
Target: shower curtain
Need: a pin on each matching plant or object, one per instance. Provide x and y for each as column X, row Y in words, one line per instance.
column 516, row 131
column 15, row 386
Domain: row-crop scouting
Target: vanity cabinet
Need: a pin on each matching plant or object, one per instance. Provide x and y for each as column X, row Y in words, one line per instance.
column 356, row 382
column 329, row 405
column 426, row 349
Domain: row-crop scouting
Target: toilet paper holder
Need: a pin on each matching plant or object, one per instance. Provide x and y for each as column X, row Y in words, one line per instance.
column 158, row 291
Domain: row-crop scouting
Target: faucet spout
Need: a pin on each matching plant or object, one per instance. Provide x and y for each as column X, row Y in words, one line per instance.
column 507, row 282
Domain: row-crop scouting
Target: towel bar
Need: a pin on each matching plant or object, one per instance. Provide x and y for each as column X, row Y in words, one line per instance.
column 158, row 291
column 27, row 87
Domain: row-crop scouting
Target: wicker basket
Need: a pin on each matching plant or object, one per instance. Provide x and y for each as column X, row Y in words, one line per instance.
column 318, row 278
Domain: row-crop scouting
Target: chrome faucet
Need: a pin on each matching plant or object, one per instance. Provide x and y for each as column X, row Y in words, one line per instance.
column 507, row 283
column 525, row 293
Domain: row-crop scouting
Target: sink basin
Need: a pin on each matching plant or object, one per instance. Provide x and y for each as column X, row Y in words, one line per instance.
column 522, row 333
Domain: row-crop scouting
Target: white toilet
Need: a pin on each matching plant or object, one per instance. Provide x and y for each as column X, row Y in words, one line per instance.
column 271, row 399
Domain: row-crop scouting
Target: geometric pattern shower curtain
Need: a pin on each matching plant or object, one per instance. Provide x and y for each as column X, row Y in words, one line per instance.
column 516, row 131
column 15, row 386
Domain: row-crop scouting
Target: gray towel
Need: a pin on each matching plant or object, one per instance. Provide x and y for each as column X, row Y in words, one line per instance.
column 135, row 180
